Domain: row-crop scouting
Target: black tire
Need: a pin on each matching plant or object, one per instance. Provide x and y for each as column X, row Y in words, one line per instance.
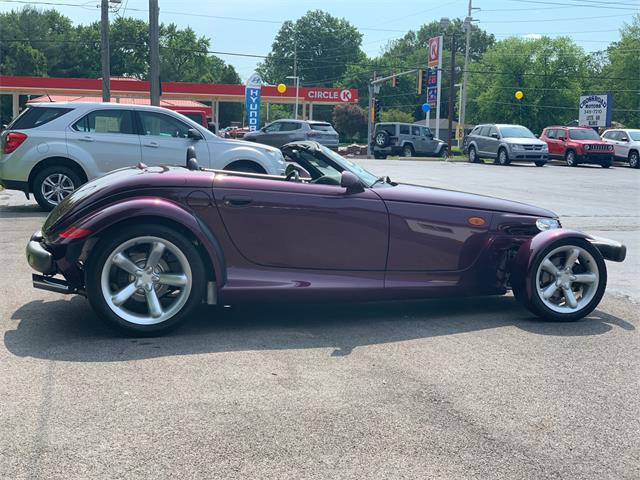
column 381, row 138
column 571, row 159
column 103, row 250
column 473, row 155
column 634, row 159
column 407, row 151
column 379, row 156
column 540, row 164
column 444, row 152
column 536, row 305
column 503, row 157
column 607, row 164
column 48, row 173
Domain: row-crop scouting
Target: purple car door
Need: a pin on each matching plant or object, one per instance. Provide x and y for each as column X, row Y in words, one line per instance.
column 295, row 225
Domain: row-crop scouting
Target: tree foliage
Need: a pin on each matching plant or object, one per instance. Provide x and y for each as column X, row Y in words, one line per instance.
column 324, row 46
column 350, row 121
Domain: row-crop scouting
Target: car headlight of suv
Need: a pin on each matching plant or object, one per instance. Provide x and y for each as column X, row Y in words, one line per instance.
column 545, row 224
column 587, row 147
column 516, row 146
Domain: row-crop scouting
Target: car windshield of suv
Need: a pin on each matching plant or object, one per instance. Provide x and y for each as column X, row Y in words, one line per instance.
column 586, row 134
column 635, row 136
column 516, row 132
column 367, row 178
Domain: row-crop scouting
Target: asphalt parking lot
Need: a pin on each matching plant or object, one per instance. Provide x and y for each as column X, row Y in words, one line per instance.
column 465, row 388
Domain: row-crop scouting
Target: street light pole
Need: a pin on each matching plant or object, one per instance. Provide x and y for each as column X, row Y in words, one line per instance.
column 104, row 50
column 297, row 79
column 463, row 96
column 154, row 52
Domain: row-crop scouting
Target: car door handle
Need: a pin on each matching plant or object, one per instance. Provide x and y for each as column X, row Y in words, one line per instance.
column 237, row 201
column 151, row 144
column 86, row 138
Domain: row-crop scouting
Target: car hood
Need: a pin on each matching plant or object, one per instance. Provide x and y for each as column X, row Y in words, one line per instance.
column 590, row 142
column 436, row 196
column 244, row 143
column 523, row 140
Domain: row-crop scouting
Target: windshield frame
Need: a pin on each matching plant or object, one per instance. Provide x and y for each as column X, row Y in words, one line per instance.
column 582, row 131
column 367, row 178
column 504, row 128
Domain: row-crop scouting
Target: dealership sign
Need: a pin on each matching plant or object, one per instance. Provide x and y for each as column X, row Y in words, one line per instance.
column 595, row 111
column 252, row 100
column 434, row 76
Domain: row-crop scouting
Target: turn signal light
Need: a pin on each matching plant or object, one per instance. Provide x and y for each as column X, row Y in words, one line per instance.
column 75, row 232
column 13, row 141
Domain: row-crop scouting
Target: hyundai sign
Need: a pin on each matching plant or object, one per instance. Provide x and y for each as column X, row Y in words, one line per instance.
column 252, row 99
column 595, row 111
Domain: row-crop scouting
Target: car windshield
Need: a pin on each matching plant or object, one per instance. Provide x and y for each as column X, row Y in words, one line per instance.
column 367, row 178
column 583, row 134
column 635, row 136
column 516, row 132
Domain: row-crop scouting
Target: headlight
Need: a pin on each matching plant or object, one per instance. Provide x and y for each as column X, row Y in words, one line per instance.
column 587, row 147
column 516, row 146
column 610, row 147
column 545, row 147
column 544, row 224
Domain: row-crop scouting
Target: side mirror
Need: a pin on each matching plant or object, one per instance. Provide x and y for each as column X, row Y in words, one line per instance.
column 494, row 135
column 192, row 161
column 352, row 183
column 194, row 134
column 624, row 139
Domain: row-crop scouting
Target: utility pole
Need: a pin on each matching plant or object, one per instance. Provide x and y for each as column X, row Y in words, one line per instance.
column 104, row 50
column 463, row 95
column 452, row 93
column 295, row 75
column 154, row 47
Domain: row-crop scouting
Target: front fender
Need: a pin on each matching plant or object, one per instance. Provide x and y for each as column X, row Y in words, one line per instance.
column 529, row 251
column 150, row 208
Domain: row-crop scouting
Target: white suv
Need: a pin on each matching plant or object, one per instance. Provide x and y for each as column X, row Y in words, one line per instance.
column 52, row 148
column 626, row 144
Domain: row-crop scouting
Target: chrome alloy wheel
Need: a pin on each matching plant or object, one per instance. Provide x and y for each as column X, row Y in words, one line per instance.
column 567, row 279
column 56, row 187
column 146, row 280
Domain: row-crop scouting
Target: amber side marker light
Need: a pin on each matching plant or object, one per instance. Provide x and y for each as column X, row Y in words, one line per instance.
column 476, row 221
column 75, row 232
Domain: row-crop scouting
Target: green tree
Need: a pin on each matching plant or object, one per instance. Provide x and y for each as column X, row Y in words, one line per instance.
column 621, row 75
column 350, row 121
column 324, row 44
column 550, row 72
column 395, row 115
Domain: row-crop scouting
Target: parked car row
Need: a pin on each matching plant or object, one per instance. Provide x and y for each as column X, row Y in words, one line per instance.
column 575, row 145
column 50, row 149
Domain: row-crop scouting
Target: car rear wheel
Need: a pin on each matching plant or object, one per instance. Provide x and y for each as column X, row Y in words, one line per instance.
column 54, row 184
column 503, row 157
column 473, row 155
column 407, row 151
column 145, row 279
column 567, row 280
column 571, row 159
column 634, row 160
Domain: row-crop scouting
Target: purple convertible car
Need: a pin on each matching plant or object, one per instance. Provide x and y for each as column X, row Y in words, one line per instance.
column 146, row 245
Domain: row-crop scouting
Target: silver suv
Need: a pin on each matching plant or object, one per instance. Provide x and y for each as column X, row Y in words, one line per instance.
column 406, row 139
column 505, row 144
column 52, row 148
column 281, row 132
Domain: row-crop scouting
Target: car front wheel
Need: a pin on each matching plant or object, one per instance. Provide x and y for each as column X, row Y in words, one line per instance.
column 634, row 160
column 570, row 158
column 407, row 151
column 473, row 156
column 503, row 157
column 54, row 184
column 145, row 279
column 568, row 280
column 540, row 164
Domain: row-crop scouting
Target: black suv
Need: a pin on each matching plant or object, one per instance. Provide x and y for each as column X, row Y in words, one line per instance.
column 406, row 139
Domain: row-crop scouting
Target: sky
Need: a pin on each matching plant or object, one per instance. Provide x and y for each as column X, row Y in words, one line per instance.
column 249, row 26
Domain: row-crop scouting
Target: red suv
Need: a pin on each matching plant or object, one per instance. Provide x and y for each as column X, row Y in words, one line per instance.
column 577, row 145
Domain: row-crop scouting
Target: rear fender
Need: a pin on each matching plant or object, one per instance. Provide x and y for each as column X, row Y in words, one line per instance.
column 150, row 208
column 529, row 251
